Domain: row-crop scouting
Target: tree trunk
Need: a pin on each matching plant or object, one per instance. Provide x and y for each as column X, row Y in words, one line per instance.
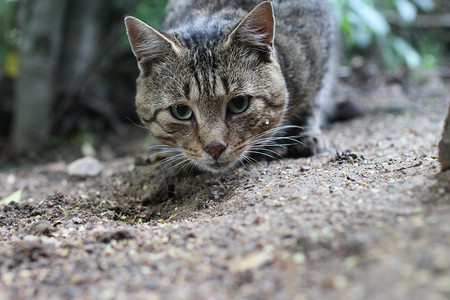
column 59, row 51
column 444, row 145
column 83, row 35
column 41, row 23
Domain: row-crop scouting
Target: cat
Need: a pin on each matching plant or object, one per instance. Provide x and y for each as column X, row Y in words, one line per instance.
column 226, row 81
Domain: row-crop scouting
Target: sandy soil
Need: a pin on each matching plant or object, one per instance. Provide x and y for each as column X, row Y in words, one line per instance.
column 370, row 220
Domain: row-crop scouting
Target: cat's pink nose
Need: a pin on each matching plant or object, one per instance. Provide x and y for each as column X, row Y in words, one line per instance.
column 215, row 149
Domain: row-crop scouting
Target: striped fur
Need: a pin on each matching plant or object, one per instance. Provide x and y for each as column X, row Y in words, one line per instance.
column 210, row 52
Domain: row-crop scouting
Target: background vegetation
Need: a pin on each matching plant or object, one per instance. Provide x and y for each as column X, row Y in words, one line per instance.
column 400, row 30
column 73, row 74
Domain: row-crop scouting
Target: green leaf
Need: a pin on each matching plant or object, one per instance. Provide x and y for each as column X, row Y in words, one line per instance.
column 370, row 16
column 429, row 61
column 406, row 51
column 362, row 37
column 406, row 10
column 14, row 197
column 425, row 5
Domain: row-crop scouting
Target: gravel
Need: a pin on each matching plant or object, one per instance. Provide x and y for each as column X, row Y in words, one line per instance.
column 369, row 220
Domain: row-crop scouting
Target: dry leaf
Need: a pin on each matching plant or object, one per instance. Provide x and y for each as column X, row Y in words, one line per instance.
column 16, row 196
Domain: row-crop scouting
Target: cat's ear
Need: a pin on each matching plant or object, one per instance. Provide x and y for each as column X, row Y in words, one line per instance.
column 257, row 29
column 147, row 43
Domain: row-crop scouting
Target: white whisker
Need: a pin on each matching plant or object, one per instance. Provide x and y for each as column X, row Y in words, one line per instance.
column 169, row 160
column 276, row 129
column 250, row 160
column 262, row 153
column 163, row 153
column 177, row 165
column 134, row 123
column 162, row 147
column 268, row 150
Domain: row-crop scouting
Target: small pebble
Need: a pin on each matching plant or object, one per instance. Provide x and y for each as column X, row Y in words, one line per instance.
column 77, row 220
column 85, row 167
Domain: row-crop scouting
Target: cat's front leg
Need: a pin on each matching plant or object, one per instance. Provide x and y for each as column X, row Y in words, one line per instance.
column 310, row 143
column 311, row 139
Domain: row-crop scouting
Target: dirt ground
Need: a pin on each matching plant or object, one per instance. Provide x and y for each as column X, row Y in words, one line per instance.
column 369, row 220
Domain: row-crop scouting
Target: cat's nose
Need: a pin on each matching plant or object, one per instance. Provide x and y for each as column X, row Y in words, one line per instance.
column 215, row 149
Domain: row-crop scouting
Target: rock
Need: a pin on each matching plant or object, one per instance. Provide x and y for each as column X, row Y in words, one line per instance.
column 55, row 167
column 42, row 228
column 85, row 167
column 251, row 262
column 444, row 145
column 117, row 235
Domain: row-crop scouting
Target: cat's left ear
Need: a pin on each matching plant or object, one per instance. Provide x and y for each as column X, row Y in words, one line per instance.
column 257, row 29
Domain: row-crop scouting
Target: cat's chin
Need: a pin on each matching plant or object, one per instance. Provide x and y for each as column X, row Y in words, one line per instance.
column 217, row 168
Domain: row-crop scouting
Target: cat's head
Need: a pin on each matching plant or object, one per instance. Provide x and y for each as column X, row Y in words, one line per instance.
column 215, row 96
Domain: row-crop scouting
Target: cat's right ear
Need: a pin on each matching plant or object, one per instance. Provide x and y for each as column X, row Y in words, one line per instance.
column 147, row 43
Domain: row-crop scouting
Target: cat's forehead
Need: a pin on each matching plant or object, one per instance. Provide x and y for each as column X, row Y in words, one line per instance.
column 206, row 74
column 204, row 31
column 206, row 84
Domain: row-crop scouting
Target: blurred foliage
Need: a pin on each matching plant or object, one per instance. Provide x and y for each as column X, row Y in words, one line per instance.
column 151, row 12
column 8, row 38
column 432, row 49
column 364, row 24
column 11, row 64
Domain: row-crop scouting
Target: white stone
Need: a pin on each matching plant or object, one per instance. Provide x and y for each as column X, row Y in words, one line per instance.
column 86, row 166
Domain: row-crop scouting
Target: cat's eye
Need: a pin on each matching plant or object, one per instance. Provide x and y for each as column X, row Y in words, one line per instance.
column 238, row 104
column 182, row 112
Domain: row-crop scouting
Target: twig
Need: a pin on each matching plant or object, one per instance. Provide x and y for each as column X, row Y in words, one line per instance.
column 409, row 167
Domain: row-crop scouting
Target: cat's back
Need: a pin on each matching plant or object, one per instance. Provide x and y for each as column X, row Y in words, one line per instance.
column 181, row 11
column 292, row 14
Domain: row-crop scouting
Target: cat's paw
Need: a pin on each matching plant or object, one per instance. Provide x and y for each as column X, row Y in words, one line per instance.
column 310, row 143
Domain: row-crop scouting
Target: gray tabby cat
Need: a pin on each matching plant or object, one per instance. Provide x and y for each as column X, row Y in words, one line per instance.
column 224, row 81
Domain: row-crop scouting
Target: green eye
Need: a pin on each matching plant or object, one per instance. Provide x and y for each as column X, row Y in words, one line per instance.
column 238, row 104
column 182, row 112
